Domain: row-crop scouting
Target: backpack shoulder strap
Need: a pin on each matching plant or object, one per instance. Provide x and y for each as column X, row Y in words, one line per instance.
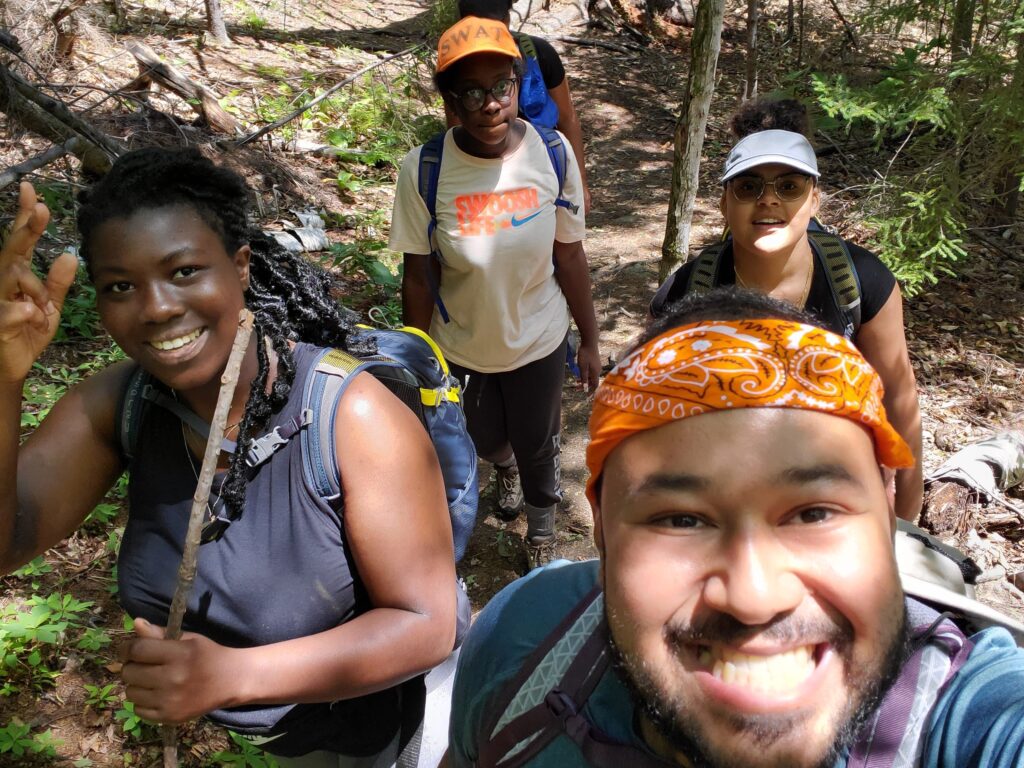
column 704, row 275
column 557, row 154
column 130, row 411
column 893, row 735
column 426, row 183
column 330, row 376
column 525, row 44
column 841, row 273
column 139, row 392
column 429, row 173
column 547, row 695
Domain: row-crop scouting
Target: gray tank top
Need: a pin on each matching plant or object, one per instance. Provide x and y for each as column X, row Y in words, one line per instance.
column 281, row 571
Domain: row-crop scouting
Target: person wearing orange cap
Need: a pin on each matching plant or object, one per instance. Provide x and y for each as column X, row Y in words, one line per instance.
column 496, row 272
column 544, row 97
column 746, row 608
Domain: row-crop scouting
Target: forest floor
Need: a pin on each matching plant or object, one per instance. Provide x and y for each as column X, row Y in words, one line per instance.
column 965, row 334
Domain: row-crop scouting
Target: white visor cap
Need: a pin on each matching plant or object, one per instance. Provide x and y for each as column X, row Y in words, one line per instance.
column 763, row 147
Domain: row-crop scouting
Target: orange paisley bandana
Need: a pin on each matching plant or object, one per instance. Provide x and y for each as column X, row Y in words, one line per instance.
column 720, row 365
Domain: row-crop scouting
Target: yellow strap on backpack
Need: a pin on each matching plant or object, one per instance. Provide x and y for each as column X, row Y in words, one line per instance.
column 430, row 397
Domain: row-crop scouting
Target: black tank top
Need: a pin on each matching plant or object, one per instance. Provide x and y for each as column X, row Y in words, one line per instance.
column 876, row 284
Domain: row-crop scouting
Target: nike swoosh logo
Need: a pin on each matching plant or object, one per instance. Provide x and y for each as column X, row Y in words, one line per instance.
column 519, row 222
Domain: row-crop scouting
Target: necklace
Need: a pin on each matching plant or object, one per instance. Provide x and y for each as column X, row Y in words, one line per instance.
column 800, row 303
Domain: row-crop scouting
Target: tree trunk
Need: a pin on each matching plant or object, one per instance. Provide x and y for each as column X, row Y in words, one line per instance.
column 753, row 12
column 215, row 22
column 1007, row 188
column 689, row 138
column 961, row 33
column 790, row 28
column 800, row 44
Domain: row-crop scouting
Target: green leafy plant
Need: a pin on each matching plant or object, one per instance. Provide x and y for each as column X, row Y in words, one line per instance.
column 131, row 723
column 102, row 516
column 17, row 739
column 100, row 697
column 30, row 639
column 245, row 756
column 37, row 567
column 949, row 142
column 93, row 639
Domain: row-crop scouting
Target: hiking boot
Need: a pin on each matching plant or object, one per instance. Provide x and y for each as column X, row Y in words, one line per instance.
column 540, row 551
column 510, row 492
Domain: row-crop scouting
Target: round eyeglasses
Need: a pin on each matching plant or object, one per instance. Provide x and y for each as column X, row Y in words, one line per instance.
column 473, row 99
column 789, row 187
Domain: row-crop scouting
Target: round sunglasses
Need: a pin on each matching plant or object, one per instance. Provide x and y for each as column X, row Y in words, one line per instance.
column 789, row 187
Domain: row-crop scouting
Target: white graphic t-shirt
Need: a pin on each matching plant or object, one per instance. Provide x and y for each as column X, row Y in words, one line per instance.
column 496, row 226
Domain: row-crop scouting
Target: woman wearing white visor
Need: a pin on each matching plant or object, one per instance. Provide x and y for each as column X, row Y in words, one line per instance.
column 770, row 195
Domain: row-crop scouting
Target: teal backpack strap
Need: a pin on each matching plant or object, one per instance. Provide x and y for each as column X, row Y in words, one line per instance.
column 704, row 274
column 546, row 698
column 842, row 276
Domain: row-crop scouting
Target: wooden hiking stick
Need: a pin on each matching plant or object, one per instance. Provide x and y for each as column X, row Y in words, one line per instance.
column 200, row 503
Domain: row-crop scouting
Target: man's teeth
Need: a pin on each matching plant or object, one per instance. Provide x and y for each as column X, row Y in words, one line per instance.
column 779, row 673
column 769, row 221
column 177, row 343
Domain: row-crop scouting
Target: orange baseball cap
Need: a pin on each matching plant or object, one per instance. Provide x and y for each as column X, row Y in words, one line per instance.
column 474, row 35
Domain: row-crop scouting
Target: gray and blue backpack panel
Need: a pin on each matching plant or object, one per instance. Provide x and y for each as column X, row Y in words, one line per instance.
column 408, row 363
column 430, row 173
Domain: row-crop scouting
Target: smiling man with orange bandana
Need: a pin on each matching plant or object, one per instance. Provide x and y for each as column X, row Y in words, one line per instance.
column 747, row 593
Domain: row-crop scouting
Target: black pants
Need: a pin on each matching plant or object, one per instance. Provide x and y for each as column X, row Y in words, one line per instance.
column 521, row 409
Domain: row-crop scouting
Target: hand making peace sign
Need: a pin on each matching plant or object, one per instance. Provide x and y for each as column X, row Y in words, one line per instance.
column 29, row 307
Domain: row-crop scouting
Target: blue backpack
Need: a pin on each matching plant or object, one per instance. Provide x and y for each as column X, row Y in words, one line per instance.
column 535, row 103
column 430, row 173
column 408, row 363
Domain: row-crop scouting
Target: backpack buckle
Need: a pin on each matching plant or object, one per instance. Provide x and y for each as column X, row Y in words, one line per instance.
column 214, row 529
column 561, row 704
column 563, row 707
column 265, row 447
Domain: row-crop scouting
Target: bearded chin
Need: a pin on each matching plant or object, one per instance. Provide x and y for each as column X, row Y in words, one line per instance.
column 668, row 715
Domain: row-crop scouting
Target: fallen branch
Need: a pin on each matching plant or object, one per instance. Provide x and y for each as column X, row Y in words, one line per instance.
column 15, row 172
column 619, row 47
column 153, row 69
column 326, row 94
column 200, row 504
column 53, row 120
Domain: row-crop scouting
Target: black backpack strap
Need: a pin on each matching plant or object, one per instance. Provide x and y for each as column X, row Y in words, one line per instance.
column 843, row 279
column 704, row 274
column 427, row 180
column 141, row 390
column 130, row 411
